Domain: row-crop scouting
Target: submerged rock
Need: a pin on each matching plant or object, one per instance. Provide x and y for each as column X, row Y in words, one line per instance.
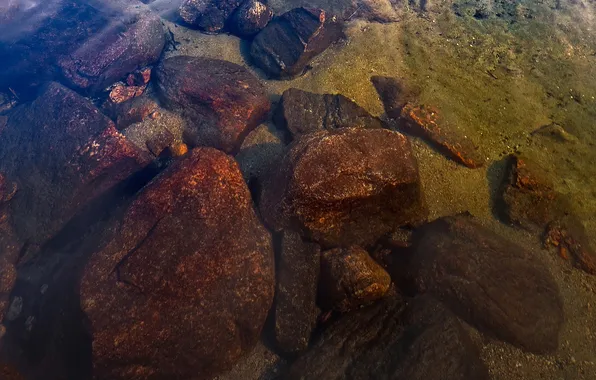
column 208, row 15
column 62, row 153
column 489, row 281
column 350, row 278
column 344, row 187
column 286, row 46
column 296, row 311
column 250, row 18
column 222, row 101
column 10, row 247
column 304, row 112
column 393, row 94
column 185, row 286
column 382, row 342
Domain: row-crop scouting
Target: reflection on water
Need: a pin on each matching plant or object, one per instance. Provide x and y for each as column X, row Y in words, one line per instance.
column 244, row 189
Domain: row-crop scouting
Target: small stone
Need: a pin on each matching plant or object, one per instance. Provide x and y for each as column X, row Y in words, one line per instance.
column 350, row 278
column 178, row 150
column 296, row 311
column 208, row 15
column 304, row 112
column 140, row 77
column 492, row 283
column 121, row 93
column 250, row 18
column 287, row 45
column 345, row 187
column 425, row 122
column 160, row 141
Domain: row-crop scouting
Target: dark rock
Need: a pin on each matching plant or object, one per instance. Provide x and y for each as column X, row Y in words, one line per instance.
column 344, row 187
column 425, row 122
column 569, row 236
column 305, row 112
column 250, row 18
column 260, row 364
column 489, row 281
column 10, row 247
column 7, row 102
column 261, row 152
column 393, row 94
column 296, row 311
column 140, row 77
column 286, row 46
column 208, row 15
column 88, row 44
column 134, row 41
column 382, row 342
column 190, row 249
column 223, row 101
column 62, row 153
column 134, row 111
column 350, row 278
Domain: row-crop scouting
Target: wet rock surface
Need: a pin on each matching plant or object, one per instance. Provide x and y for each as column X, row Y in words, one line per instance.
column 62, row 153
column 392, row 93
column 190, row 249
column 208, row 15
column 350, row 278
column 250, row 18
column 296, row 311
column 490, row 282
column 382, row 341
column 304, row 112
column 222, row 101
column 349, row 186
column 10, row 247
column 287, row 45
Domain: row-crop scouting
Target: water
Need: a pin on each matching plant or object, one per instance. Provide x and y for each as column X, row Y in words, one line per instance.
column 122, row 256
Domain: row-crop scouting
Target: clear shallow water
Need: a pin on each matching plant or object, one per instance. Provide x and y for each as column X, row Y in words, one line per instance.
column 497, row 72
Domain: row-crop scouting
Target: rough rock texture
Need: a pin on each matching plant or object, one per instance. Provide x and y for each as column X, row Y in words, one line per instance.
column 222, row 101
column 381, row 342
column 135, row 111
column 89, row 44
column 250, row 18
column 260, row 153
column 286, row 46
column 425, row 122
column 393, row 94
column 260, row 364
column 135, row 40
column 350, row 278
column 489, row 281
column 349, row 186
column 569, row 236
column 191, row 266
column 9, row 246
column 62, row 153
column 208, row 15
column 296, row 311
column 305, row 112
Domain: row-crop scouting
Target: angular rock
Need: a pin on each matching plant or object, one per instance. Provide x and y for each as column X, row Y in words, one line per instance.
column 425, row 122
column 304, row 112
column 158, row 131
column 62, row 153
column 296, row 310
column 382, row 342
column 190, row 249
column 350, row 278
column 133, row 41
column 393, row 94
column 208, row 15
column 120, row 93
column 287, row 45
column 222, row 101
column 135, row 111
column 492, row 283
column 250, row 18
column 344, row 187
column 260, row 153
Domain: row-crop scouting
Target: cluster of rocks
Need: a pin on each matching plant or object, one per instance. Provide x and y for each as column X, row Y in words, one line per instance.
column 152, row 234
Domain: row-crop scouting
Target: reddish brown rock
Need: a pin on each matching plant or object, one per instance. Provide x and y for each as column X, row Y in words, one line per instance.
column 184, row 288
column 304, row 112
column 287, row 45
column 492, row 283
column 208, row 15
column 140, row 77
column 349, row 186
column 250, row 18
column 121, row 93
column 425, row 122
column 393, row 94
column 571, row 241
column 222, row 101
column 350, row 278
column 62, row 153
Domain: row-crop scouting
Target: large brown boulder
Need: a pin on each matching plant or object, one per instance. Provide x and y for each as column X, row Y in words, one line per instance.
column 349, row 186
column 494, row 284
column 305, row 112
column 184, row 288
column 287, row 45
column 223, row 101
column 382, row 342
column 62, row 153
